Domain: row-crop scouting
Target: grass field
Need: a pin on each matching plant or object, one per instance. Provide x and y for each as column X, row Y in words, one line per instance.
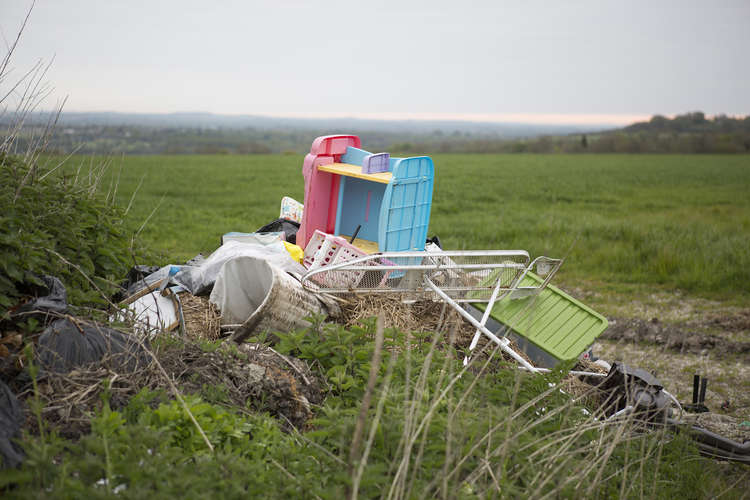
column 644, row 236
column 626, row 224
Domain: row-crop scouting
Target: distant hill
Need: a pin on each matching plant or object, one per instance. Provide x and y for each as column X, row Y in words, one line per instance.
column 217, row 121
column 206, row 133
column 687, row 133
column 694, row 123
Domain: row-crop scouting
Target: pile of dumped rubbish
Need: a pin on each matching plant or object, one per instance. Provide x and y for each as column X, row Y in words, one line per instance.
column 358, row 242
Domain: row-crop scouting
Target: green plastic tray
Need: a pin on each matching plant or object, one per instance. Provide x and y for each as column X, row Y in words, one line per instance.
column 552, row 320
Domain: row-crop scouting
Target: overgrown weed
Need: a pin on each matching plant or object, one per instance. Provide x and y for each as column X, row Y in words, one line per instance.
column 435, row 429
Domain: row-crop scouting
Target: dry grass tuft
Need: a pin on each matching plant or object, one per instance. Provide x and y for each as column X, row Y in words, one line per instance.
column 202, row 318
column 420, row 316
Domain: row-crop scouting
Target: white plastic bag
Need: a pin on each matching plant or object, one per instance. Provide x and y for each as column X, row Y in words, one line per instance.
column 198, row 280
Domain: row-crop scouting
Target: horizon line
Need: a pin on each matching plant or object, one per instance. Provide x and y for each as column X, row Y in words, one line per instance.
column 602, row 119
column 525, row 118
column 497, row 118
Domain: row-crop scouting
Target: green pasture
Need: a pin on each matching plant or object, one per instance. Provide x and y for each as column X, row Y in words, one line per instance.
column 621, row 221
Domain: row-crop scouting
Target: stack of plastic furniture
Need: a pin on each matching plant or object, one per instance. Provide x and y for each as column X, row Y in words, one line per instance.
column 388, row 210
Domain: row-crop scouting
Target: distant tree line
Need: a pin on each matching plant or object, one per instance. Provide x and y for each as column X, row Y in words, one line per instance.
column 688, row 133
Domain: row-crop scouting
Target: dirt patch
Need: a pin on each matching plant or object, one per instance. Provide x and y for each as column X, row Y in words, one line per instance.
column 738, row 321
column 724, row 425
column 247, row 374
column 675, row 337
column 239, row 377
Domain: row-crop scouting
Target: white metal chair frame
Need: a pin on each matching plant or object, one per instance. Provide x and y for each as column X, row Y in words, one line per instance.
column 429, row 267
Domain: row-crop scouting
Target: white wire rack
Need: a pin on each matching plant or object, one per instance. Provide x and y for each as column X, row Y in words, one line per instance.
column 466, row 276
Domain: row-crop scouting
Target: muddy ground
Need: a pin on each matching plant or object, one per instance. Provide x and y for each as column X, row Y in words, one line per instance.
column 691, row 340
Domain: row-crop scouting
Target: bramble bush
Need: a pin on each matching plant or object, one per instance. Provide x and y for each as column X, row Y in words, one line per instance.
column 61, row 225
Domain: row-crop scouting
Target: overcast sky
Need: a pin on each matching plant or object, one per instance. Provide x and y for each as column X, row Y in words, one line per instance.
column 578, row 62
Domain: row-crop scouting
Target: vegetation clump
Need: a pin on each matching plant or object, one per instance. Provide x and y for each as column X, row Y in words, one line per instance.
column 430, row 428
column 61, row 225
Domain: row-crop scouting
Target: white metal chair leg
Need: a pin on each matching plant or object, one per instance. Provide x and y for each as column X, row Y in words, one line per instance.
column 504, row 343
column 485, row 316
column 555, row 263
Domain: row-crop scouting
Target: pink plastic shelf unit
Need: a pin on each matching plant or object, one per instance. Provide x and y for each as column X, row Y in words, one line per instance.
column 320, row 204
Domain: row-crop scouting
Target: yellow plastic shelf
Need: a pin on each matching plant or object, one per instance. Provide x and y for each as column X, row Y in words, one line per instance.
column 355, row 171
column 366, row 246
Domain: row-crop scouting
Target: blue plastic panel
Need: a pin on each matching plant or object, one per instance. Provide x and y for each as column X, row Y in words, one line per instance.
column 405, row 212
column 354, row 156
column 360, row 203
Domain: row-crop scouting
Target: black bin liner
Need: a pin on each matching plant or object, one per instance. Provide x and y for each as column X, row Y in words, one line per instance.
column 48, row 299
column 11, row 420
column 65, row 345
column 289, row 227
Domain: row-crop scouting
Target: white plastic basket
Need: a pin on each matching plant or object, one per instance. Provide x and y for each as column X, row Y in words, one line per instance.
column 326, row 250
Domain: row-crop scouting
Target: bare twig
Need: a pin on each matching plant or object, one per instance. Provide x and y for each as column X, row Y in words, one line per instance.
column 374, row 426
column 287, row 361
column 366, row 399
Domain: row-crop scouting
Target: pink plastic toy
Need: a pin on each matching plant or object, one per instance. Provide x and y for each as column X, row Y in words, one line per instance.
column 320, row 205
column 388, row 210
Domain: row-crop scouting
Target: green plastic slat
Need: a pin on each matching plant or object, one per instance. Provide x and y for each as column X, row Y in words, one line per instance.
column 552, row 320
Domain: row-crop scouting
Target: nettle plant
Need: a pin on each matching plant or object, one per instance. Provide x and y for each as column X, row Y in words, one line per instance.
column 62, row 225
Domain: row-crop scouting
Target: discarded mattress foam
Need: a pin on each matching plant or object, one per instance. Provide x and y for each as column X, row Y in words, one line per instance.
column 258, row 296
column 199, row 280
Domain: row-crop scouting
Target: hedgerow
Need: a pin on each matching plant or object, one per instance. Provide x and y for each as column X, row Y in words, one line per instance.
column 58, row 224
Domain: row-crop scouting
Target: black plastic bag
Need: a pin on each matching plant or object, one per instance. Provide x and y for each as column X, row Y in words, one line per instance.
column 51, row 298
column 66, row 344
column 289, row 227
column 11, row 420
column 436, row 240
column 136, row 279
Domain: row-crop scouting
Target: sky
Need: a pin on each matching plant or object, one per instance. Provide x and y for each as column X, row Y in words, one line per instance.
column 579, row 62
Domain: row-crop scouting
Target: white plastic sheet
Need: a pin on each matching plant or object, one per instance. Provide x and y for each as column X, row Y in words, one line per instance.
column 198, row 280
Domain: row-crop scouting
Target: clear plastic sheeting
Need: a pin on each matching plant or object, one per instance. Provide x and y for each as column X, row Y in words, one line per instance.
column 199, row 280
